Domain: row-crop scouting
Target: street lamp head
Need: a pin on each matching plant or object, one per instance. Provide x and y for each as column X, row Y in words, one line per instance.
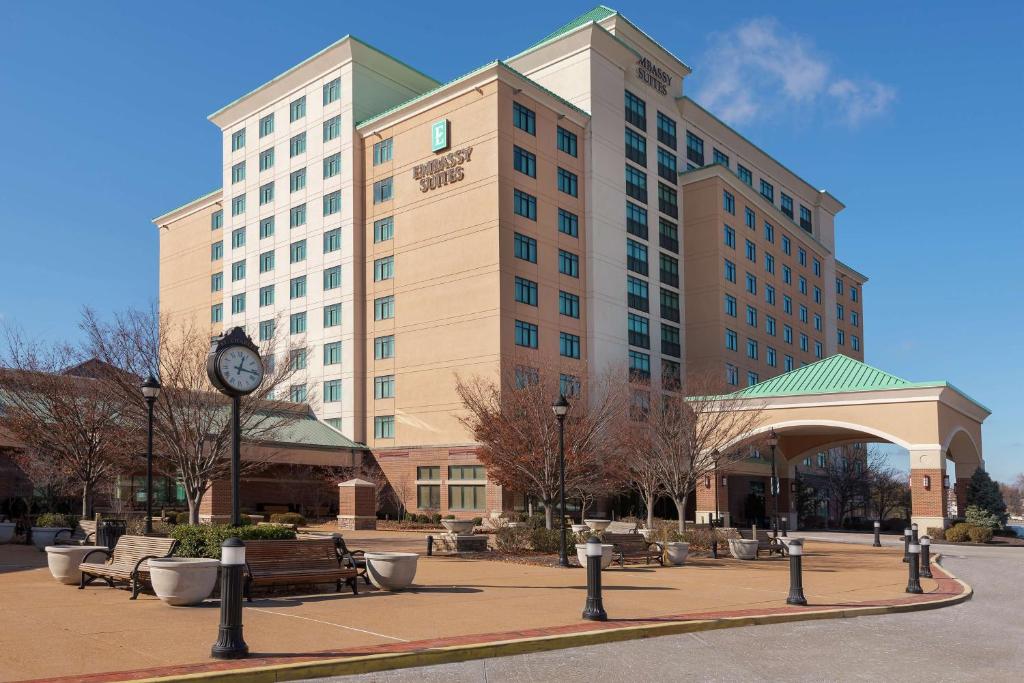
column 151, row 388
column 773, row 439
column 560, row 407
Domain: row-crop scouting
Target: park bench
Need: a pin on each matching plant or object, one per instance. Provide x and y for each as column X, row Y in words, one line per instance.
column 83, row 534
column 275, row 563
column 127, row 563
column 633, row 547
column 766, row 543
column 353, row 558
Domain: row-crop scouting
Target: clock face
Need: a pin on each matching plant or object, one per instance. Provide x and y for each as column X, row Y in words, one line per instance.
column 241, row 369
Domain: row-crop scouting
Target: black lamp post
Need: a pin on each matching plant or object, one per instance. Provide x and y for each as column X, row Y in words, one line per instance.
column 561, row 408
column 714, row 522
column 150, row 391
column 773, row 441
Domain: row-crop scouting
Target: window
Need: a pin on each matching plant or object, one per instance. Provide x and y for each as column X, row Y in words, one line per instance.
column 525, row 376
column 297, row 251
column 853, row 294
column 332, row 240
column 332, row 391
column 237, row 140
column 267, row 296
column 730, row 305
column 297, row 393
column 297, row 180
column 817, row 295
column 332, row 315
column 787, row 247
column 428, row 496
column 238, row 205
column 751, row 251
column 732, row 374
column 297, row 109
column 855, row 342
column 769, row 325
column 805, row 218
column 769, row 263
column 266, row 261
column 728, row 202
column 467, row 498
column 238, row 172
column 267, row 227
column 751, row 316
column 569, row 345
column 732, row 342
column 639, row 330
column 787, row 334
column 526, row 334
column 854, row 319
column 817, row 350
column 332, row 91
column 266, row 125
column 636, row 257
column 383, row 268
column 382, row 191
column 636, row 111
column 730, row 271
column 297, row 325
column 568, row 385
column 787, row 304
column 668, row 201
column 840, row 337
column 297, row 145
column 817, row 322
column 568, row 263
column 297, row 216
column 752, row 378
column 332, row 353
column 524, row 119
column 238, row 238
column 639, row 365
column 384, row 428
column 636, row 147
column 804, row 342
column 729, row 237
column 332, row 165
column 266, row 330
column 801, row 256
column 636, row 184
column 297, row 357
column 670, row 340
column 383, row 229
column 748, row 217
column 694, row 149
column 267, row 159
column 752, row 349
column 568, row 304
column 217, row 282
column 669, row 270
column 266, row 193
column 767, row 191
column 636, row 220
column 217, row 220
column 217, row 313
column 384, row 387
column 566, row 141
column 526, row 291
column 568, row 182
column 751, row 283
column 524, row 205
column 745, row 175
column 669, row 305
column 384, row 308
column 666, row 131
column 568, row 223
column 525, row 248
column 382, row 152
column 524, row 162
column 332, row 278
column 787, row 275
column 769, row 232
column 237, row 271
column 786, row 204
column 769, row 295
column 637, row 293
column 384, row 347
column 332, row 203
column 332, row 128
column 297, row 287
column 720, row 158
column 803, row 313
column 787, row 363
column 238, row 303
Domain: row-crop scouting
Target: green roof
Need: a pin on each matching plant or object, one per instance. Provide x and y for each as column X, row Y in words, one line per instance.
column 310, row 431
column 833, row 374
column 597, row 14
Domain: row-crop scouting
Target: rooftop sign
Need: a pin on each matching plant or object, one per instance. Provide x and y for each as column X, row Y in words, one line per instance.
column 653, row 75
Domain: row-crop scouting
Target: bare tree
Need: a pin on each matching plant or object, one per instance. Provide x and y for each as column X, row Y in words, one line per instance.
column 848, row 477
column 192, row 426
column 512, row 421
column 642, row 469
column 889, row 490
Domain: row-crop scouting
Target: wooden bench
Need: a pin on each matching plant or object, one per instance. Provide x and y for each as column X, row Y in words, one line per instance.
column 353, row 558
column 275, row 563
column 766, row 543
column 633, row 547
column 84, row 534
column 127, row 563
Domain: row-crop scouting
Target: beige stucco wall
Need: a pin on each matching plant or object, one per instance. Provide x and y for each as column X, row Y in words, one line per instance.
column 186, row 266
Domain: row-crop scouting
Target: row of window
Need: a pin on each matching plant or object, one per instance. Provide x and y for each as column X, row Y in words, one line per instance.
column 526, row 293
column 527, row 335
column 525, row 119
column 466, row 497
column 732, row 344
column 526, row 163
column 296, row 111
column 854, row 293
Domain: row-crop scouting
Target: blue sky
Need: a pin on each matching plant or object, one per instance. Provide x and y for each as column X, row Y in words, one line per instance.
column 908, row 112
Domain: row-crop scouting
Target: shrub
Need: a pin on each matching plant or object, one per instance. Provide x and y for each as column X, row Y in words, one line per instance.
column 512, row 540
column 548, row 540
column 410, row 517
column 977, row 516
column 979, row 534
column 449, row 516
column 204, row 540
column 288, row 518
column 958, row 533
column 936, row 532
column 478, row 521
column 55, row 519
column 182, row 517
column 423, row 519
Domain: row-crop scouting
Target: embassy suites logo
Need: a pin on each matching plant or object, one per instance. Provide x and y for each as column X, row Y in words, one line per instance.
column 446, row 168
column 653, row 75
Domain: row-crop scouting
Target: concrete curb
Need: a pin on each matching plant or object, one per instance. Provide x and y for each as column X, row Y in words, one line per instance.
column 364, row 664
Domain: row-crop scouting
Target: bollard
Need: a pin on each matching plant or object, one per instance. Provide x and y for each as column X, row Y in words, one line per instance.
column 594, row 609
column 914, row 582
column 714, row 542
column 230, row 644
column 913, row 533
column 430, row 545
column 926, row 560
column 906, row 543
column 796, row 581
column 878, row 542
column 785, row 527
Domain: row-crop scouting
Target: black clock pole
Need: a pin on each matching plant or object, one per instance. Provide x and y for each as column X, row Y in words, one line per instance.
column 236, row 457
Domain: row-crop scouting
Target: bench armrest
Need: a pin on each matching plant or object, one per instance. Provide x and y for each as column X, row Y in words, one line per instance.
column 93, row 552
column 71, row 532
column 90, row 535
column 135, row 570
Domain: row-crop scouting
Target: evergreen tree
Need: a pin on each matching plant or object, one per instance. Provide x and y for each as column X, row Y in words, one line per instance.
column 984, row 493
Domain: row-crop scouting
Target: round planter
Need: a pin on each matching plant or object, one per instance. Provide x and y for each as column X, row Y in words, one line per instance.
column 7, row 531
column 580, row 528
column 606, row 554
column 63, row 561
column 458, row 526
column 43, row 536
column 676, row 552
column 183, row 580
column 598, row 525
column 743, row 549
column 391, row 571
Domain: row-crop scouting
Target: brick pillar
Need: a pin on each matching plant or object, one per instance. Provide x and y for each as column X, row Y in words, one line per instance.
column 706, row 499
column 215, row 508
column 960, row 495
column 927, row 493
column 357, row 505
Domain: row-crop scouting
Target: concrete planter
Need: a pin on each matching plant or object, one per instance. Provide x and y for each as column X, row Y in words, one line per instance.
column 743, row 549
column 63, row 561
column 458, row 526
column 391, row 571
column 676, row 552
column 43, row 536
column 7, row 531
column 183, row 580
column 606, row 554
column 579, row 528
column 597, row 525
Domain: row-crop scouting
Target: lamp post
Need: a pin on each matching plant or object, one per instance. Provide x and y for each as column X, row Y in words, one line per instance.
column 773, row 441
column 715, row 454
column 150, row 391
column 561, row 408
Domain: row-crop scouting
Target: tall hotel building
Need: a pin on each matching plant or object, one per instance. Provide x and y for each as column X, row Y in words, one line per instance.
column 569, row 203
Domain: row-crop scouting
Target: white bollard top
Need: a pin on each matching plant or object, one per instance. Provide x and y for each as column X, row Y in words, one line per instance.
column 796, row 548
column 594, row 548
column 878, row 524
column 914, row 548
column 908, row 532
column 926, row 540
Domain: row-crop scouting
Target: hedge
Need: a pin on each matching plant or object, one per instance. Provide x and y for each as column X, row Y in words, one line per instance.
column 204, row 540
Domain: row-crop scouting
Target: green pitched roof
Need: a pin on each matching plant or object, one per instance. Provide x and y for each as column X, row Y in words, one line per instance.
column 833, row 374
column 597, row 14
column 312, row 432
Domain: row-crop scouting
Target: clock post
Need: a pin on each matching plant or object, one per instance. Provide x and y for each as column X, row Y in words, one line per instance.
column 235, row 368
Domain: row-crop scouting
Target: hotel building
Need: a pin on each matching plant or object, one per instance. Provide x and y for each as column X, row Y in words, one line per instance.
column 568, row 203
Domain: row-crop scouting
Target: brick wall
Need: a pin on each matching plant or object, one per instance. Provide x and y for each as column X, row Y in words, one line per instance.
column 930, row 502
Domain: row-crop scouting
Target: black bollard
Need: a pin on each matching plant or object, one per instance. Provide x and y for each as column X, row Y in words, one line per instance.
column 796, row 580
column 914, row 581
column 594, row 609
column 714, row 540
column 906, row 543
column 785, row 527
column 926, row 559
column 913, row 533
column 430, row 546
column 878, row 542
column 230, row 644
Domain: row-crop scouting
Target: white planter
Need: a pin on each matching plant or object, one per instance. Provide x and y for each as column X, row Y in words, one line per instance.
column 743, row 549
column 598, row 525
column 7, row 531
column 606, row 554
column 43, row 536
column 183, row 580
column 458, row 526
column 391, row 571
column 676, row 552
column 63, row 561
column 579, row 528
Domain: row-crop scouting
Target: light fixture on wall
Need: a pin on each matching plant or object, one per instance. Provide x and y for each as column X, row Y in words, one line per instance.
column 927, row 481
column 725, row 481
column 945, row 481
column 707, row 481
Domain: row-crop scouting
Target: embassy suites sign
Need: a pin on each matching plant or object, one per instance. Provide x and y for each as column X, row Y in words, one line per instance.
column 446, row 168
column 653, row 75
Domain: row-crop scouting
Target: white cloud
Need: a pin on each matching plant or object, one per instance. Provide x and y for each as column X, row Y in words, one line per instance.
column 757, row 70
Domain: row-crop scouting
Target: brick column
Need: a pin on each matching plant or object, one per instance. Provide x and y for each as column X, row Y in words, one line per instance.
column 215, row 508
column 357, row 505
column 706, row 499
column 960, row 495
column 927, row 493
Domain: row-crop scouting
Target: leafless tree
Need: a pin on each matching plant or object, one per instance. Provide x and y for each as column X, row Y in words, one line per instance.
column 889, row 489
column 849, row 477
